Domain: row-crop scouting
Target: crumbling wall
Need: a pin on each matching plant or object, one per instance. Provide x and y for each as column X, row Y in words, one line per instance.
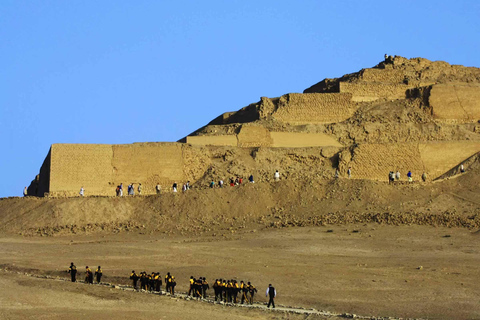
column 368, row 91
column 300, row 139
column 455, row 102
column 382, row 75
column 296, row 108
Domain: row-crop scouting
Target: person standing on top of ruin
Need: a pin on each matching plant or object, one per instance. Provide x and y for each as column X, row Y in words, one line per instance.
column 349, row 172
column 409, row 176
column 139, row 188
column 271, row 293
column 158, row 188
column 25, row 192
column 397, row 175
column 276, row 175
column 174, row 187
column 82, row 192
column 424, row 176
column 462, row 169
column 250, row 179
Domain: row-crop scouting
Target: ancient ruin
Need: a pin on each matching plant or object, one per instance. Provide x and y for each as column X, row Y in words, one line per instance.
column 402, row 114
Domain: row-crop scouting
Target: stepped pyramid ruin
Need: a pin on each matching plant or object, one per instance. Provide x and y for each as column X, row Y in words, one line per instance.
column 402, row 114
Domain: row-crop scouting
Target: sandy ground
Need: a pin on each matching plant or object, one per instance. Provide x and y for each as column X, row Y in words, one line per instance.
column 369, row 270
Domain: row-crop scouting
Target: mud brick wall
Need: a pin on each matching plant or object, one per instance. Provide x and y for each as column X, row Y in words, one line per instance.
column 306, row 108
column 374, row 161
column 148, row 164
column 221, row 140
column 299, row 140
column 77, row 165
column 100, row 168
column 383, row 75
column 456, row 102
column 367, row 91
column 254, row 136
column 439, row 157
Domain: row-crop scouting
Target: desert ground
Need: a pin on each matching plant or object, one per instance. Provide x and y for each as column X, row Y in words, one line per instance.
column 364, row 269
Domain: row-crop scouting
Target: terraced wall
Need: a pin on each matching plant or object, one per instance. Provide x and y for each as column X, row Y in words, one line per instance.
column 296, row 108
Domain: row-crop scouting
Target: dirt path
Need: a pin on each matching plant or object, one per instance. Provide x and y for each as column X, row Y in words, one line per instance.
column 281, row 309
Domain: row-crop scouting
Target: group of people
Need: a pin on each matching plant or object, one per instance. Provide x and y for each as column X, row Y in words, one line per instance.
column 395, row 176
column 234, row 181
column 153, row 281
column 88, row 274
column 228, row 291
column 198, row 287
column 130, row 189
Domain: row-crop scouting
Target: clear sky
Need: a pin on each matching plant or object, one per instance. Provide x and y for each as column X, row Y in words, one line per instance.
column 117, row 71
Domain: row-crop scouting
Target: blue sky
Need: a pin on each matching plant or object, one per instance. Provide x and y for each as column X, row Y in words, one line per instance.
column 131, row 71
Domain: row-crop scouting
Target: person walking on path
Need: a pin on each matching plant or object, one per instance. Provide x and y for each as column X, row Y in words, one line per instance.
column 25, row 192
column 409, row 176
column 120, row 190
column 174, row 187
column 271, row 293
column 349, row 172
column 139, row 189
column 424, row 176
column 98, row 274
column 73, row 272
column 158, row 188
column 82, row 192
column 462, row 168
column 276, row 176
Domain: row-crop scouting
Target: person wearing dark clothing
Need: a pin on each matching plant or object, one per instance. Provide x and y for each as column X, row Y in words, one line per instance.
column 134, row 277
column 73, row 272
column 271, row 293
column 243, row 291
column 98, row 274
column 143, row 281
column 198, row 288
column 251, row 290
column 190, row 290
column 88, row 275
column 151, row 282
column 158, row 281
column 205, row 287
